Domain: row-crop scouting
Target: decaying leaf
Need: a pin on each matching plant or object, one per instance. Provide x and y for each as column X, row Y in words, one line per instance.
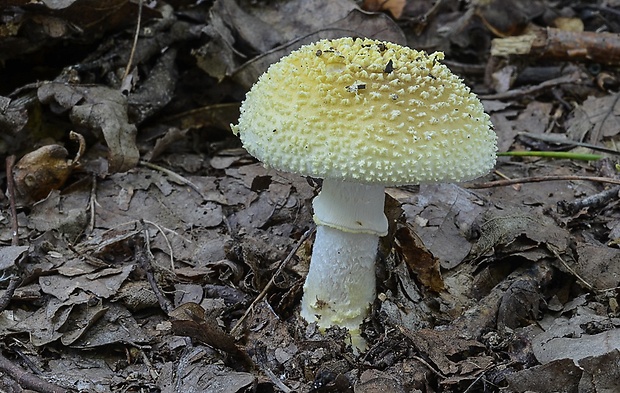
column 598, row 265
column 560, row 375
column 13, row 115
column 191, row 320
column 355, row 23
column 191, row 374
column 379, row 384
column 104, row 283
column 40, row 171
column 445, row 348
column 116, row 326
column 569, row 338
column 443, row 214
column 9, row 256
column 419, row 259
column 501, row 231
column 596, row 118
column 102, row 110
column 394, row 7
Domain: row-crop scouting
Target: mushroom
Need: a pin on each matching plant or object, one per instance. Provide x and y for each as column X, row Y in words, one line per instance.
column 361, row 114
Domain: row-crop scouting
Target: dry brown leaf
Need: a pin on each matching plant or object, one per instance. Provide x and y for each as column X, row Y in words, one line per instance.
column 597, row 117
column 558, row 376
column 394, row 7
column 10, row 254
column 191, row 320
column 41, row 171
column 357, row 24
column 419, row 259
column 102, row 110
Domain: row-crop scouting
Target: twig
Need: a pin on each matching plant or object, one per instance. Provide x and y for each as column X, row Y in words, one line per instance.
column 28, row 380
column 594, row 201
column 29, row 364
column 174, row 175
column 152, row 371
column 10, row 185
column 160, row 229
column 471, row 385
column 561, row 45
column 9, row 292
column 405, row 332
column 92, row 203
column 135, row 41
column 275, row 380
column 145, row 258
column 538, row 179
column 573, row 272
column 515, row 187
column 283, row 264
column 560, row 139
column 527, row 90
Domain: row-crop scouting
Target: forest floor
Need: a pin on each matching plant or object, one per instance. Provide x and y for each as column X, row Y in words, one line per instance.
column 143, row 250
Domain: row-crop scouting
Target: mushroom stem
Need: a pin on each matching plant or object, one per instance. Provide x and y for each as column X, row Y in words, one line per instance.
column 340, row 285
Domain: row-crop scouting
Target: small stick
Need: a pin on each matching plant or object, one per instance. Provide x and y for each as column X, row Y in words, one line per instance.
column 92, row 204
column 283, row 264
column 573, row 272
column 10, row 185
column 9, row 292
column 560, row 139
column 135, row 42
column 27, row 380
column 275, row 380
column 145, row 258
column 539, row 179
column 515, row 187
column 161, row 230
column 557, row 44
column 528, row 90
column 594, row 201
column 174, row 175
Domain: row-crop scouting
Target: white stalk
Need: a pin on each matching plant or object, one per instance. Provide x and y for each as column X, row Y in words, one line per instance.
column 340, row 285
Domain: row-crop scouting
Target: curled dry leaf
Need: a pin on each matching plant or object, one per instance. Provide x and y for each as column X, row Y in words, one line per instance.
column 419, row 259
column 102, row 110
column 394, row 7
column 44, row 170
column 191, row 320
column 41, row 171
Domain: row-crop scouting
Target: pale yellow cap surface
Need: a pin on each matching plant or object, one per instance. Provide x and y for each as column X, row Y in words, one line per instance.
column 367, row 111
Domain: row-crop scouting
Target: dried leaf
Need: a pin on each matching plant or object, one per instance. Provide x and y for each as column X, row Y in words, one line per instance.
column 568, row 339
column 102, row 110
column 394, row 7
column 116, row 326
column 41, row 171
column 192, row 321
column 10, row 254
column 445, row 347
column 419, row 260
column 196, row 376
column 13, row 115
column 557, row 376
column 598, row 265
column 597, row 116
column 105, row 110
column 357, row 24
column 104, row 284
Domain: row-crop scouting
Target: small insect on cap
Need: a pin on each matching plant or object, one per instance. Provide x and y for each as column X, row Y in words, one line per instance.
column 367, row 111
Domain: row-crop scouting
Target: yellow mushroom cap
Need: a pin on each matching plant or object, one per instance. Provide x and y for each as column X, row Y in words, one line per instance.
column 367, row 111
